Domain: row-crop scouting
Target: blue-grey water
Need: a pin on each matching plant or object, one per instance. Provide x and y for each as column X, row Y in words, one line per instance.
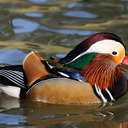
column 54, row 27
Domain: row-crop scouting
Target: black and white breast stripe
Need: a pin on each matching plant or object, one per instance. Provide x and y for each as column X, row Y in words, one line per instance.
column 16, row 77
column 104, row 95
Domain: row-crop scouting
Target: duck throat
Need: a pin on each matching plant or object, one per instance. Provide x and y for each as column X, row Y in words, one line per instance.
column 102, row 71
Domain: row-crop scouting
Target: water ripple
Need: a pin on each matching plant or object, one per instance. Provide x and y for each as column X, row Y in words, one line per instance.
column 22, row 25
column 72, row 5
column 69, row 31
column 38, row 1
column 32, row 14
column 11, row 119
column 8, row 56
column 80, row 14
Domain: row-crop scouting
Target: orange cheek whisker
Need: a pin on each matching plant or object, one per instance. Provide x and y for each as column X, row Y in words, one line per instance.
column 101, row 71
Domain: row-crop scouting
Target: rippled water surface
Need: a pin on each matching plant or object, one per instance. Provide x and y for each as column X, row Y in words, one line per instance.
column 54, row 27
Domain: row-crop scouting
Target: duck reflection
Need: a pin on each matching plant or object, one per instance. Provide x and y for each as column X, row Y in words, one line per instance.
column 75, row 116
column 7, row 102
column 44, row 115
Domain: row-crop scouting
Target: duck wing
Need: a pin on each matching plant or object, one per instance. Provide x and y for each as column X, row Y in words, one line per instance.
column 13, row 75
column 62, row 71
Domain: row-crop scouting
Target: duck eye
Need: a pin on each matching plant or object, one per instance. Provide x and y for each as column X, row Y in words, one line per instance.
column 114, row 53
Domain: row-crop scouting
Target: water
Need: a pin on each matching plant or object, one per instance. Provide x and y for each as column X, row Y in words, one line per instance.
column 42, row 25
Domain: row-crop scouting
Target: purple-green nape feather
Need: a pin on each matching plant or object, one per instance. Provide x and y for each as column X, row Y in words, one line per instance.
column 81, row 62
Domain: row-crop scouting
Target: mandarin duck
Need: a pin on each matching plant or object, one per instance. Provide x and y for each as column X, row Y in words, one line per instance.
column 88, row 74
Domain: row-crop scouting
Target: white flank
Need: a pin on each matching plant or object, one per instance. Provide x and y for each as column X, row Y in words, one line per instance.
column 103, row 46
column 11, row 90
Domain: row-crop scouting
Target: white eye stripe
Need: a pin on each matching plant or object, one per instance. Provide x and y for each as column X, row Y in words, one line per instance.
column 103, row 46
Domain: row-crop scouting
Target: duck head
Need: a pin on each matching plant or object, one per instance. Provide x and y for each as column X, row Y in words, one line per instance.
column 99, row 58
